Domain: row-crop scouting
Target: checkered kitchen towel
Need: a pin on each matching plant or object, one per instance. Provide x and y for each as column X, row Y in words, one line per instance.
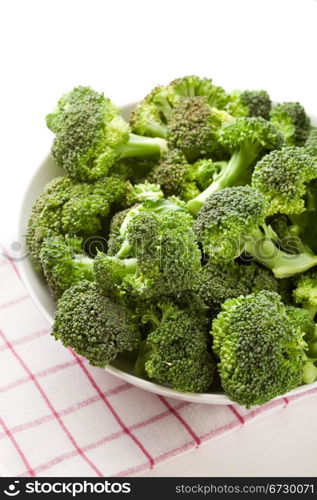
column 61, row 417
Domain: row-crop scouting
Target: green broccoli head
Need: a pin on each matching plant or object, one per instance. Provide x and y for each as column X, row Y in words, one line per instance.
column 282, row 176
column 249, row 103
column 151, row 116
column 311, row 143
column 91, row 135
column 175, row 176
column 193, row 128
column 291, row 120
column 115, row 239
column 64, row 264
column 226, row 219
column 175, row 351
column 302, row 320
column 94, row 325
column 159, row 235
column 220, row 281
column 132, row 169
column 110, row 272
column 260, row 348
column 66, row 207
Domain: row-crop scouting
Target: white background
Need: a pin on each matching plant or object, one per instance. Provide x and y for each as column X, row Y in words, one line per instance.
column 124, row 48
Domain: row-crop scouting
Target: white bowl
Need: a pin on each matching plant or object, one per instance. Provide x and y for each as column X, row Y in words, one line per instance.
column 38, row 290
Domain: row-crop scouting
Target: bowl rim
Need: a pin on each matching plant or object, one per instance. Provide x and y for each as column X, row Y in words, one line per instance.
column 211, row 398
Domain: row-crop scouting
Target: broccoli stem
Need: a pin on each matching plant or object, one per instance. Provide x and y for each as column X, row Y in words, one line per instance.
column 138, row 145
column 236, row 172
column 282, row 264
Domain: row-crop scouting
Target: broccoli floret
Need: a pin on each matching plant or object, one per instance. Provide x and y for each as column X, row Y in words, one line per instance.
column 91, row 135
column 111, row 273
column 132, row 169
column 115, row 239
column 291, row 120
column 249, row 103
column 64, row 264
column 158, row 253
column 175, row 351
column 151, row 116
column 284, row 228
column 290, row 231
column 175, row 176
column 138, row 193
column 305, row 292
column 191, row 86
column 246, row 139
column 282, row 176
column 232, row 221
column 94, row 325
column 260, row 346
column 311, row 143
column 206, row 170
column 194, row 126
column 220, row 281
column 66, row 207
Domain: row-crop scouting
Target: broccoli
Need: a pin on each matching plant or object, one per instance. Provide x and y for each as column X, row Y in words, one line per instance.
column 311, row 143
column 151, row 116
column 249, row 103
column 94, row 325
column 246, row 139
column 302, row 320
column 66, row 207
column 220, row 281
column 206, row 170
column 158, row 253
column 284, row 227
column 63, row 263
column 175, row 351
column 305, row 292
column 115, row 239
column 291, row 120
column 132, row 169
column 282, row 176
column 91, row 135
column 142, row 192
column 232, row 221
column 191, row 86
column 261, row 348
column 175, row 176
column 194, row 126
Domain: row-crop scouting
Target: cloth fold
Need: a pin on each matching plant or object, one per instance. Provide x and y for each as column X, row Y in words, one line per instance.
column 59, row 416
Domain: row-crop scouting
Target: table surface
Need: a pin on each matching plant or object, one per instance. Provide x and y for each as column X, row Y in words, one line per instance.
column 124, row 49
